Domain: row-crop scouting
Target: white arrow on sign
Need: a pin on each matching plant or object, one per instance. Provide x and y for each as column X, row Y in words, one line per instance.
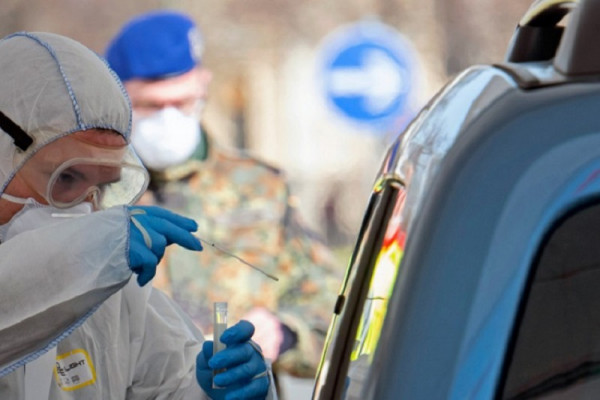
column 379, row 80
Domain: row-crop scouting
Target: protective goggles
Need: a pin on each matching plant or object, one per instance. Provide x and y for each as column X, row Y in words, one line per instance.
column 70, row 171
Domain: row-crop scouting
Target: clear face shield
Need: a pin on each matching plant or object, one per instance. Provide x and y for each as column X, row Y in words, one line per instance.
column 71, row 170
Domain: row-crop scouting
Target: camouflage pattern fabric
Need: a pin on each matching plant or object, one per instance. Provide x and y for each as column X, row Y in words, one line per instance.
column 243, row 205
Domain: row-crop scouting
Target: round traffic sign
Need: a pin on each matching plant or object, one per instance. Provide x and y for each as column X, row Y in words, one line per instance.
column 367, row 73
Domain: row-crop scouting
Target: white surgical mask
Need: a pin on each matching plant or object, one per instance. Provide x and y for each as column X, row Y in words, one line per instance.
column 166, row 138
column 35, row 215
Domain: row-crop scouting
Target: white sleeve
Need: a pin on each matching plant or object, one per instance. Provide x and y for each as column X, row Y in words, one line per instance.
column 52, row 278
column 164, row 343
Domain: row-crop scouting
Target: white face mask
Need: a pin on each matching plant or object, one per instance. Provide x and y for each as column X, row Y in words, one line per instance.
column 35, row 215
column 166, row 138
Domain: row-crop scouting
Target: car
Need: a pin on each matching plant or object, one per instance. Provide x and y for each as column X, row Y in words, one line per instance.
column 476, row 272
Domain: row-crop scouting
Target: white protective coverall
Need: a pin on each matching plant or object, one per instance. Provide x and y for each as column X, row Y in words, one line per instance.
column 66, row 287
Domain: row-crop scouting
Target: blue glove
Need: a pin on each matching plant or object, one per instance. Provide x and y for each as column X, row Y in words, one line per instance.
column 246, row 375
column 151, row 230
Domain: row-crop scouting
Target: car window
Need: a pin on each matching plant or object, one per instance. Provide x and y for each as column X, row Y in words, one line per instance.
column 555, row 351
column 374, row 309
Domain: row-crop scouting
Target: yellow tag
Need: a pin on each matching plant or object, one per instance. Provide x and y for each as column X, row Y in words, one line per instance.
column 74, row 370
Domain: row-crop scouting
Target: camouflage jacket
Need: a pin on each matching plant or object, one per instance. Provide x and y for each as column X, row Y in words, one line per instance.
column 243, row 205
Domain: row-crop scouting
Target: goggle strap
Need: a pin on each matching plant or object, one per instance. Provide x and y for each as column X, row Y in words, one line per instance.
column 14, row 199
column 20, row 137
column 138, row 224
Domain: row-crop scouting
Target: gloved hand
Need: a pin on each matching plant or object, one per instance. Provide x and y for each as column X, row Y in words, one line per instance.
column 152, row 229
column 246, row 376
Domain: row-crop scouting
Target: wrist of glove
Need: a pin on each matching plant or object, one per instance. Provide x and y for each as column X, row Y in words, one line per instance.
column 245, row 375
column 151, row 230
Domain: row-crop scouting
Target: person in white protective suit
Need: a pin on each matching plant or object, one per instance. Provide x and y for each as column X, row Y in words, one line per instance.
column 73, row 325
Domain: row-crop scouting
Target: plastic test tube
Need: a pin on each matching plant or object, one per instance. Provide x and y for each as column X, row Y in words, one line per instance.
column 220, row 324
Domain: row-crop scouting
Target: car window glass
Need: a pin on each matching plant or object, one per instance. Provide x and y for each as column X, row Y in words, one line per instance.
column 556, row 353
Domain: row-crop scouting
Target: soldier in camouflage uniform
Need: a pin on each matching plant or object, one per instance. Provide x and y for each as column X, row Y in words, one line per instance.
column 240, row 203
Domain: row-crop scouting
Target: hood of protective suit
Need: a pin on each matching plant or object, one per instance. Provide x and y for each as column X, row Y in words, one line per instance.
column 52, row 86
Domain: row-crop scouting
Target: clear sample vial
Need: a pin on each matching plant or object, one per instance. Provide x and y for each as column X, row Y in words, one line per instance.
column 220, row 324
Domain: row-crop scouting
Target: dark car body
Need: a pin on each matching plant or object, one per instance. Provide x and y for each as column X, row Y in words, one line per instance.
column 476, row 274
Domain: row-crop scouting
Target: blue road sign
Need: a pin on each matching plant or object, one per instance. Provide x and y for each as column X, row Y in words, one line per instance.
column 367, row 73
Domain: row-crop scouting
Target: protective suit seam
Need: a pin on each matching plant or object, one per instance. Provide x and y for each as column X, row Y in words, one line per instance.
column 128, row 242
column 123, row 91
column 11, row 368
column 66, row 81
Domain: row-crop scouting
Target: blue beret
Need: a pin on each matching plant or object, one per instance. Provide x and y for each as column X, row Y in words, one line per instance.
column 155, row 45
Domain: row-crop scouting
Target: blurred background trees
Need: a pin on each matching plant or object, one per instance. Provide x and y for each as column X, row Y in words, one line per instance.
column 265, row 96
